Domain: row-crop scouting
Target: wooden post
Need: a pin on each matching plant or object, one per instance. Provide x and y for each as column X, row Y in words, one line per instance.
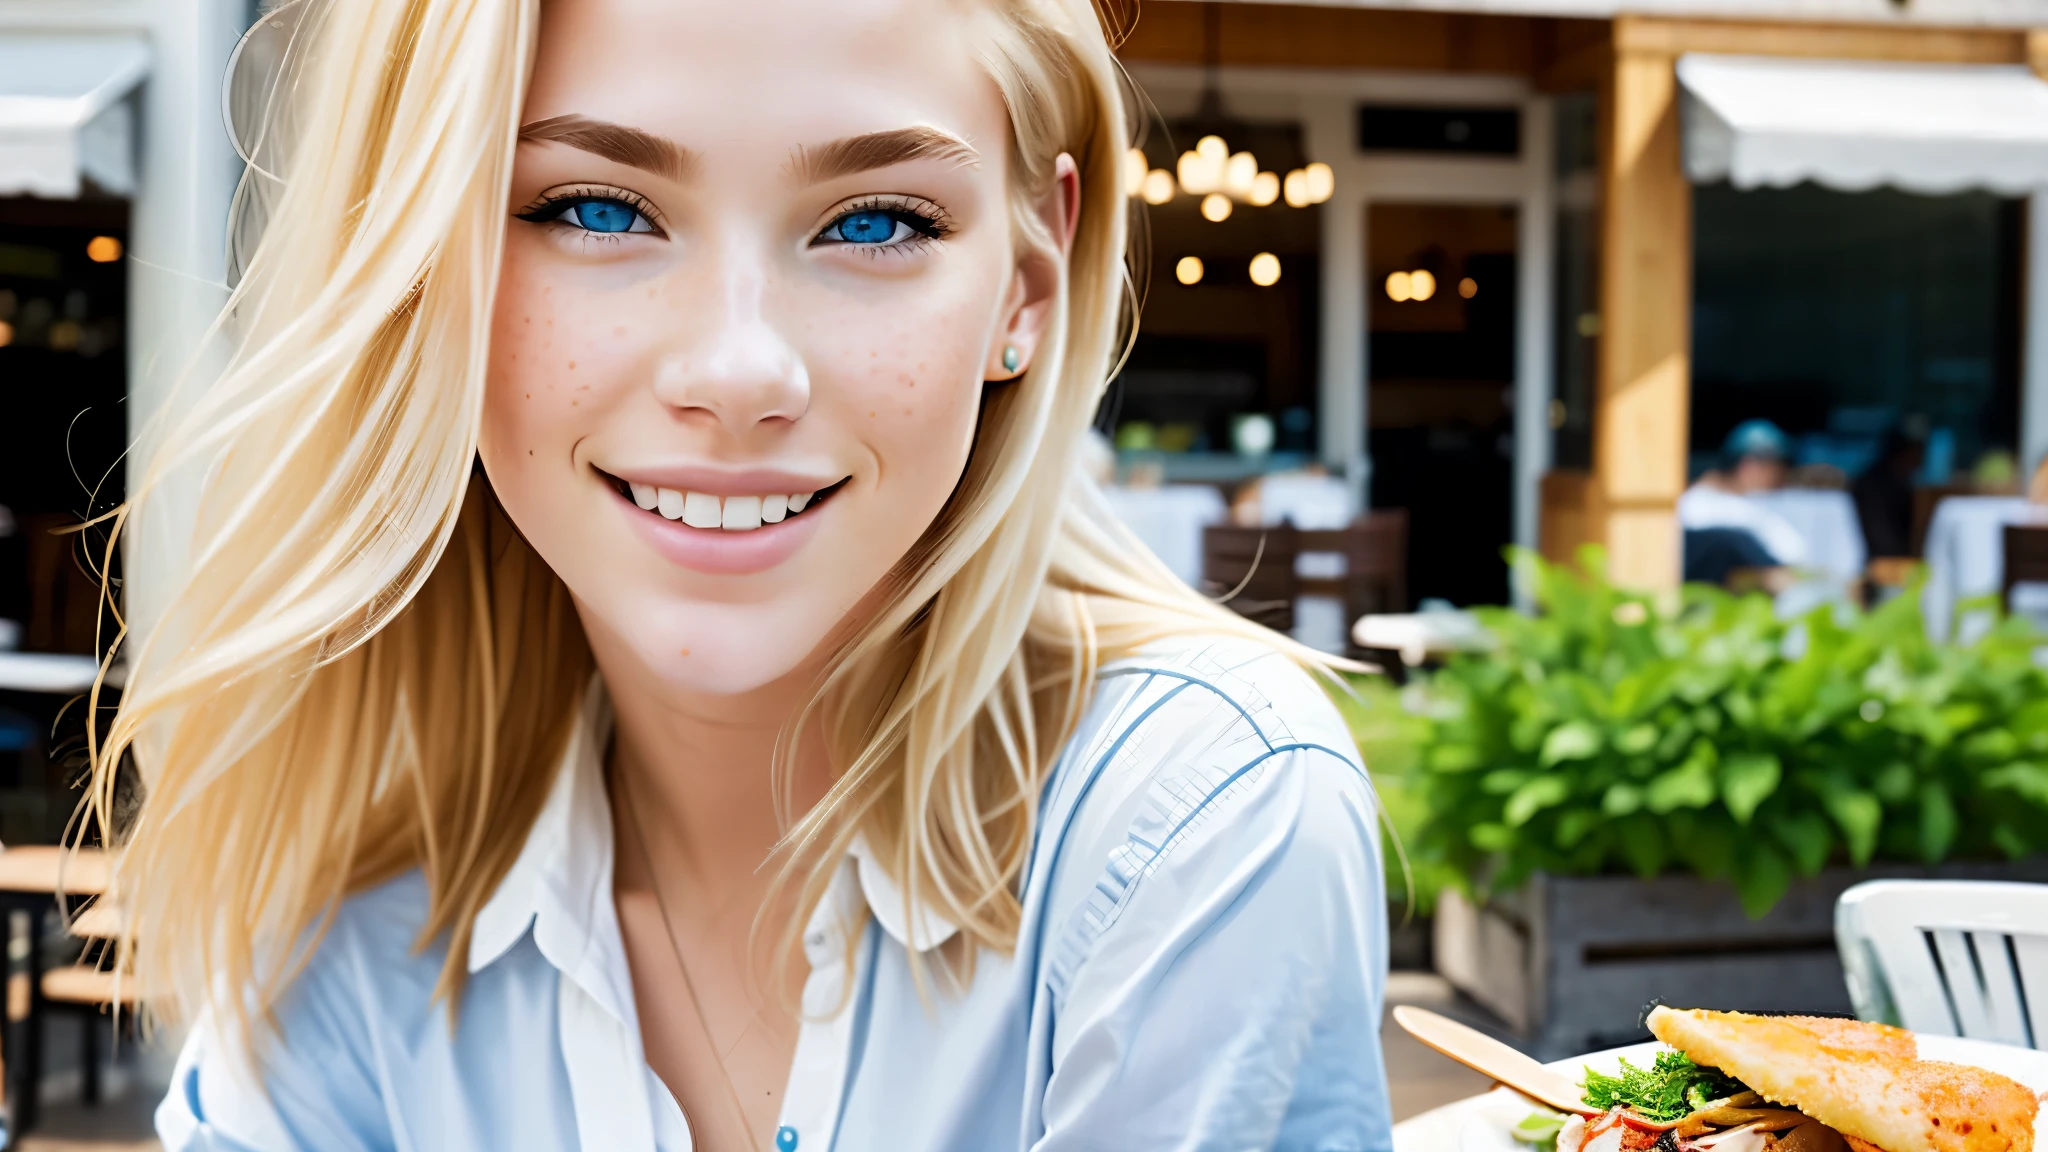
column 1642, row 400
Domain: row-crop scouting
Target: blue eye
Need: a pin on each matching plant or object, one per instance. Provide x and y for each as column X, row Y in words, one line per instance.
column 602, row 215
column 867, row 227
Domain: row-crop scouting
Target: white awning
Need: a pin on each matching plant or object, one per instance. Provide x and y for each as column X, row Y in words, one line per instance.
column 63, row 119
column 1853, row 125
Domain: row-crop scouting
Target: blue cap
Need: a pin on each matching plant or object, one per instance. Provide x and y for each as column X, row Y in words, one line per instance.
column 1757, row 438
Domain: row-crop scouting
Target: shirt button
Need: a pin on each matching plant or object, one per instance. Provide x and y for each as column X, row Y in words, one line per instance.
column 785, row 1139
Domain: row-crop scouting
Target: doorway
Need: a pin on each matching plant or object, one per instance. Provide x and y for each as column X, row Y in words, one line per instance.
column 1441, row 281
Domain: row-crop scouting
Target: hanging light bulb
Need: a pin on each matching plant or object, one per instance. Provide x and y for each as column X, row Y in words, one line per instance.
column 1399, row 288
column 1295, row 189
column 1216, row 207
column 1319, row 182
column 1239, row 173
column 1136, row 168
column 1158, row 186
column 1201, row 168
column 1188, row 270
column 1421, row 284
column 1265, row 270
column 1265, row 190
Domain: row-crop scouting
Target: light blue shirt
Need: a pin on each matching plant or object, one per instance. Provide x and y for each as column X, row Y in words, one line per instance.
column 1200, row 966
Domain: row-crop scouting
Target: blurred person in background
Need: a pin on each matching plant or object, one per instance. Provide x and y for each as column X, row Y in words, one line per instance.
column 648, row 674
column 1725, row 530
column 1884, row 493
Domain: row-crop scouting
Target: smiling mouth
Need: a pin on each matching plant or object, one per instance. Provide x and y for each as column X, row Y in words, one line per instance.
column 726, row 513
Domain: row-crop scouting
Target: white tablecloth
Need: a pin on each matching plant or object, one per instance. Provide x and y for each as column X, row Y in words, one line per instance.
column 1170, row 520
column 1313, row 503
column 1827, row 521
column 1966, row 557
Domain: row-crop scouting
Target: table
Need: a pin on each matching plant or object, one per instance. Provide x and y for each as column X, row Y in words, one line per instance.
column 1437, row 1129
column 30, row 878
column 1966, row 558
column 1826, row 520
column 47, row 672
column 1421, row 636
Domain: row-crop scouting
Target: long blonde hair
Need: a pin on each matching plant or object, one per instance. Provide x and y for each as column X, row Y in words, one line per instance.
column 361, row 668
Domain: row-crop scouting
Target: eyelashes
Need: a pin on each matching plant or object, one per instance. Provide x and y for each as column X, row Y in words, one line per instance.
column 874, row 225
column 596, row 213
column 884, row 224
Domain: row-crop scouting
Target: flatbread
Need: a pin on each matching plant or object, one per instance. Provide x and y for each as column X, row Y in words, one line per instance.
column 1863, row 1080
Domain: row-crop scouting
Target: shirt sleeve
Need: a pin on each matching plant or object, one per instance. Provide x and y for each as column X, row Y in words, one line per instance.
column 1230, row 995
column 310, row 1088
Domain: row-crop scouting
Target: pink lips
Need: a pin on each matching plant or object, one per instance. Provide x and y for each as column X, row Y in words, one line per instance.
column 717, row 552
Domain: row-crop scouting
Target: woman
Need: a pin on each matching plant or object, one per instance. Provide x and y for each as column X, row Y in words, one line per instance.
column 645, row 672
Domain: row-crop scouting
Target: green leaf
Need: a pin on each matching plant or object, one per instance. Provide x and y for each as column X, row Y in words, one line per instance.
column 1747, row 780
column 1807, row 836
column 1575, row 825
column 1636, row 740
column 1574, row 741
column 1761, row 878
column 1894, row 783
column 1533, row 797
column 1455, row 758
column 1690, row 785
column 1491, row 837
column 1621, row 799
column 1937, row 821
column 1858, row 814
column 2028, row 779
column 1644, row 845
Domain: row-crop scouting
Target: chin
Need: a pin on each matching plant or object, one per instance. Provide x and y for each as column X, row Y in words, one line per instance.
column 704, row 648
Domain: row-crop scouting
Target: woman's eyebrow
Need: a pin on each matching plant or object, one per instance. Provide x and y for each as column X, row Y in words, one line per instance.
column 851, row 154
column 630, row 146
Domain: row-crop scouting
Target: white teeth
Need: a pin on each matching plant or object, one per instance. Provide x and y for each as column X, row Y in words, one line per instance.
column 730, row 513
column 742, row 513
column 669, row 501
column 701, row 510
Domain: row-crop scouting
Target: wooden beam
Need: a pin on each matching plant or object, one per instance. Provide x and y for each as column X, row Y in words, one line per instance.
column 1643, row 396
column 1314, row 36
column 2037, row 52
column 1918, row 43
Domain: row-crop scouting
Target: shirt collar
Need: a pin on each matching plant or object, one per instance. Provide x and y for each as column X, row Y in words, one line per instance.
column 560, row 887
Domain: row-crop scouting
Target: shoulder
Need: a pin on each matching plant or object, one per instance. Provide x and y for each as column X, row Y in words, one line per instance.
column 1216, row 697
column 1204, row 739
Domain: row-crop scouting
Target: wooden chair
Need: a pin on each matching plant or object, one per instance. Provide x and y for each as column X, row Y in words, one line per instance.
column 2026, row 558
column 31, row 880
column 1375, row 551
column 1949, row 957
column 1254, row 568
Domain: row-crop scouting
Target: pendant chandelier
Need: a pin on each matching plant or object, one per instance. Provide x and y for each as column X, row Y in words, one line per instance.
column 1211, row 170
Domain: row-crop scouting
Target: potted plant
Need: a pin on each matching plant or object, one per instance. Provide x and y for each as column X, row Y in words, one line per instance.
column 1634, row 797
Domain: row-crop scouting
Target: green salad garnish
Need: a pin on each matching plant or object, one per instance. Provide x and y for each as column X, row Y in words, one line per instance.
column 1669, row 1089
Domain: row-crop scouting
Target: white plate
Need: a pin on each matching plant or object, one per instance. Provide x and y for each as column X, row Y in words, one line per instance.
column 1501, row 1109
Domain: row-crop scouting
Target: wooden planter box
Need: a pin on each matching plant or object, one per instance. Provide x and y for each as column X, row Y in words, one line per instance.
column 1570, row 961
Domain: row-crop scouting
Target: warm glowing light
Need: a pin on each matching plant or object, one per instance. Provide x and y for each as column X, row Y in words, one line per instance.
column 1295, row 189
column 103, row 249
column 64, row 335
column 1239, row 173
column 1158, row 186
column 1421, row 285
column 1468, row 287
column 1216, row 207
column 1188, row 270
column 1265, row 189
column 1265, row 269
column 1400, row 287
column 1135, row 169
column 1320, row 180
column 6, row 333
column 1201, row 169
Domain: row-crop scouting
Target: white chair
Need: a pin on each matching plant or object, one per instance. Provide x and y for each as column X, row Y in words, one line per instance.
column 1949, row 957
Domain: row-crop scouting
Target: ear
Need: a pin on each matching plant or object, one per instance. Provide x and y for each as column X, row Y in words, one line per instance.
column 1035, row 286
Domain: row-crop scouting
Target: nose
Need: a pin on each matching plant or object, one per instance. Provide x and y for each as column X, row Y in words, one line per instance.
column 742, row 371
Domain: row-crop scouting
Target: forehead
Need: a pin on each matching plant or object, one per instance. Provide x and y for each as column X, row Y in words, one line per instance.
column 716, row 75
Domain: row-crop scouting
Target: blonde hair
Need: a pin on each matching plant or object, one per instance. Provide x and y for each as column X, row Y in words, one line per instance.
column 361, row 668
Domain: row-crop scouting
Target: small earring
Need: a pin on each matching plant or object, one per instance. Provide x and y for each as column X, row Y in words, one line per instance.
column 1010, row 358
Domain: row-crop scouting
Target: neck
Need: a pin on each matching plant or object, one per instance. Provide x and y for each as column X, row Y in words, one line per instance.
column 701, row 774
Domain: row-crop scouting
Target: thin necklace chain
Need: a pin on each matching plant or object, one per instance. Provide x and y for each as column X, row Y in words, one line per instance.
column 675, row 946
